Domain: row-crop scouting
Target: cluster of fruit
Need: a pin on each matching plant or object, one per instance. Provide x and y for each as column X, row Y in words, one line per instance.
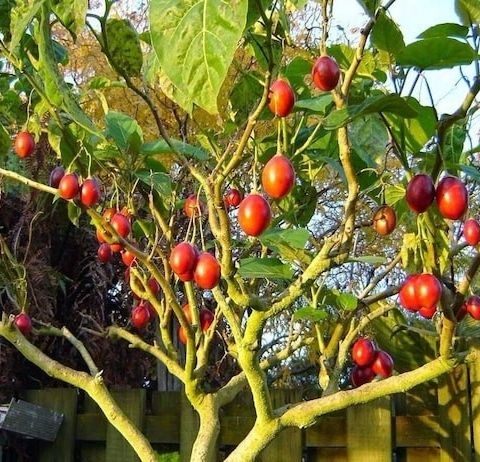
column 421, row 293
column 206, row 319
column 369, row 362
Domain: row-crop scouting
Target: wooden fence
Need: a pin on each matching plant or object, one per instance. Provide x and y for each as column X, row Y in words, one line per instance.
column 434, row 422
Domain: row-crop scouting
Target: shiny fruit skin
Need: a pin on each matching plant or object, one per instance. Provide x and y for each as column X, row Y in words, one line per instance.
column 452, row 198
column 281, row 98
column 68, row 187
column 186, row 277
column 104, row 253
column 384, row 220
column 154, row 286
column 90, row 192
column 206, row 319
column 428, row 290
column 193, row 207
column 471, row 232
column 407, row 295
column 233, row 197
column 128, row 258
column 363, row 352
column 24, row 145
column 461, row 313
column 121, row 225
column 56, row 176
column 140, row 316
column 383, row 364
column 23, row 323
column 183, row 258
column 207, row 271
column 361, row 375
column 473, row 307
column 325, row 73
column 254, row 215
column 427, row 313
column 278, row 176
column 420, row 193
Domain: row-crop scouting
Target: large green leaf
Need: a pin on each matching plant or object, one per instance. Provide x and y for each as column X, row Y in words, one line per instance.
column 20, row 17
column 195, row 41
column 468, row 11
column 436, row 53
column 318, row 104
column 270, row 268
column 310, row 313
column 387, row 36
column 124, row 46
column 447, row 29
column 159, row 181
column 369, row 138
column 161, row 147
column 391, row 103
column 244, row 95
column 70, row 13
column 288, row 243
column 124, row 130
column 369, row 5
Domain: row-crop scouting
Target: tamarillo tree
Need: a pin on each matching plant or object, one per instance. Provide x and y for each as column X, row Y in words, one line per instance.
column 297, row 187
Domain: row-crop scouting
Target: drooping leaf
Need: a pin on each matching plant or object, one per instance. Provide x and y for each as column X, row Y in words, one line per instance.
column 20, row 17
column 159, row 181
column 70, row 13
column 468, row 11
column 369, row 138
column 270, row 268
column 387, row 36
column 369, row 6
column 310, row 313
column 161, row 147
column 244, row 95
column 318, row 104
column 296, row 238
column 447, row 29
column 195, row 41
column 436, row 53
column 124, row 130
column 74, row 213
column 124, row 46
column 394, row 193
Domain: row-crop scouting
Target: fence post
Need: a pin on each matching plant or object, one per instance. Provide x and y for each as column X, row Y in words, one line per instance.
column 369, row 432
column 454, row 416
column 132, row 402
column 474, row 370
column 63, row 400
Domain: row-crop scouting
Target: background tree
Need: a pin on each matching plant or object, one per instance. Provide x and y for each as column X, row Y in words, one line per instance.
column 180, row 117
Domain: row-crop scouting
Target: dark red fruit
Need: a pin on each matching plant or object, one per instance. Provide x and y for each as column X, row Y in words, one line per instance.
column 281, row 98
column 207, row 271
column 183, row 258
column 471, row 231
column 254, row 215
column 452, row 198
column 461, row 313
column 361, row 375
column 193, row 207
column 128, row 257
column 104, row 253
column 24, row 145
column 140, row 316
column 420, row 193
column 325, row 73
column 363, row 352
column 23, row 323
column 473, row 306
column 233, row 197
column 154, row 286
column 383, row 364
column 428, row 290
column 121, row 225
column 206, row 319
column 407, row 295
column 278, row 176
column 427, row 313
column 90, row 192
column 384, row 220
column 56, row 176
column 68, row 187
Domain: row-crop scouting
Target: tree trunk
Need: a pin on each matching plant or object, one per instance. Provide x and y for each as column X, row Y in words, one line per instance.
column 205, row 448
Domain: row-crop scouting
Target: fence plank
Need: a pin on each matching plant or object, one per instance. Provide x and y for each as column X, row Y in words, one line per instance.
column 474, row 371
column 132, row 402
column 62, row 400
column 423, row 455
column 328, row 455
column 454, row 416
column 369, row 432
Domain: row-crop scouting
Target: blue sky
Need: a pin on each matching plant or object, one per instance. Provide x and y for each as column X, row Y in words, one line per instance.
column 413, row 17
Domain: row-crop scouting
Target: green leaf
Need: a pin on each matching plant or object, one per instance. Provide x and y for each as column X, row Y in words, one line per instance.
column 244, row 95
column 124, row 46
column 70, row 13
column 309, row 313
column 391, row 103
column 74, row 213
column 20, row 17
column 386, row 35
column 470, row 171
column 124, row 130
column 447, row 29
column 345, row 300
column 270, row 268
column 370, row 259
column 101, row 82
column 5, row 142
column 296, row 238
column 161, row 147
column 369, row 6
column 394, row 194
column 319, row 104
column 195, row 41
column 369, row 138
column 157, row 180
column 468, row 11
column 436, row 53
column 5, row 9
column 295, row 73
